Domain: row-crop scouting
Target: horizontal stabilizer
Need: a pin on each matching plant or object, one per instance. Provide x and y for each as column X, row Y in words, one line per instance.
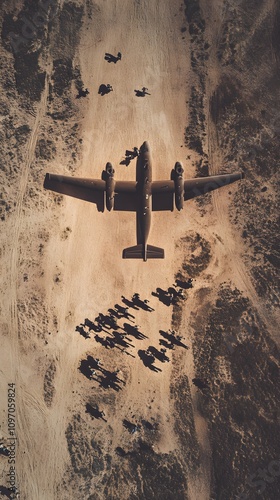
column 138, row 252
column 135, row 252
column 155, row 252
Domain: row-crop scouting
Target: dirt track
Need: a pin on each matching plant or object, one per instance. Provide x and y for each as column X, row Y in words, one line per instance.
column 61, row 259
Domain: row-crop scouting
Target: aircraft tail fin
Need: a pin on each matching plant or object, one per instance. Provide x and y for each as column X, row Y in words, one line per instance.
column 138, row 252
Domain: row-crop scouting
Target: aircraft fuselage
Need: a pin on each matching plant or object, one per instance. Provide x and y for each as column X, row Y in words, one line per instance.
column 144, row 193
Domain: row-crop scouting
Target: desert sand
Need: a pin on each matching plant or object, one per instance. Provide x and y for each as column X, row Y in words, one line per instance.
column 212, row 69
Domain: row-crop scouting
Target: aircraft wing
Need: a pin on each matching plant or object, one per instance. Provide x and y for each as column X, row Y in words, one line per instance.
column 125, row 196
column 162, row 195
column 204, row 185
column 163, row 191
column 91, row 190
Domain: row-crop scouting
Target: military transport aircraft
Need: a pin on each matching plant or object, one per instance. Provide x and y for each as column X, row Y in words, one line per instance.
column 142, row 196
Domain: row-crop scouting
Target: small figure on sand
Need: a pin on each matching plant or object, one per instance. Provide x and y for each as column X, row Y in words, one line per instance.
column 82, row 93
column 130, row 155
column 142, row 92
column 111, row 58
column 105, row 89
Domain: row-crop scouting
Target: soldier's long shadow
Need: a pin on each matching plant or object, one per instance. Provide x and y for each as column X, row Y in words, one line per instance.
column 109, row 383
column 107, row 343
column 120, row 340
column 95, row 412
column 160, row 355
column 184, row 284
column 82, row 331
column 92, row 326
column 173, row 339
column 123, row 311
column 166, row 344
column 163, row 296
column 85, row 368
column 129, row 303
column 143, row 304
column 148, row 360
column 132, row 428
column 133, row 331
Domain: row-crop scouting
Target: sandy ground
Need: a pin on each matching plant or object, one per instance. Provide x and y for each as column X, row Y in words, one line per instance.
column 61, row 263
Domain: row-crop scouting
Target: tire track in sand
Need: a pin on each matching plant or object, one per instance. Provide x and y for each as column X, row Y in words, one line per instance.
column 24, row 434
column 230, row 255
column 18, row 212
column 233, row 246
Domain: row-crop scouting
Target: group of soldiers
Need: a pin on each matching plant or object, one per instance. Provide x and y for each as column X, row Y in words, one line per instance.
column 92, row 367
column 169, row 296
column 107, row 88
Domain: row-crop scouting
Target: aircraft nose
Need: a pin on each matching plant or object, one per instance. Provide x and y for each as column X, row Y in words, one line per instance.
column 145, row 147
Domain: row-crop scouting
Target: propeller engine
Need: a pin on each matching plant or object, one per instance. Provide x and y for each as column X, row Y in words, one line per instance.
column 178, row 177
column 110, row 186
